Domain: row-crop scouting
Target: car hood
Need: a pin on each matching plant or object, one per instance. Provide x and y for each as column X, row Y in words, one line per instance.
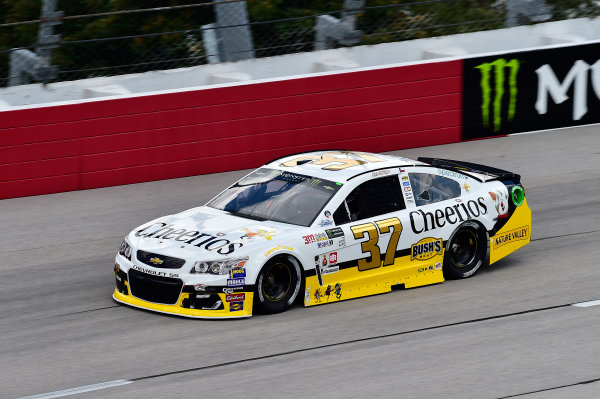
column 214, row 233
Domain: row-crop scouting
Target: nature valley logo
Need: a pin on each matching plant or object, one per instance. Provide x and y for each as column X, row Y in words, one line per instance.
column 427, row 248
column 520, row 233
column 491, row 112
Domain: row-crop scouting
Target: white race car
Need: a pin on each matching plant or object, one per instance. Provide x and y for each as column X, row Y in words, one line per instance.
column 323, row 227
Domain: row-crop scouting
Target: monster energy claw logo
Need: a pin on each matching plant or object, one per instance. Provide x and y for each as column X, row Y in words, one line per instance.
column 499, row 67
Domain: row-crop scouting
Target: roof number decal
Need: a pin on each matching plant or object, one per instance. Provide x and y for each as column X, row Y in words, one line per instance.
column 349, row 160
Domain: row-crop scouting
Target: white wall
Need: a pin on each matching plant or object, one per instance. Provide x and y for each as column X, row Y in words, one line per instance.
column 540, row 35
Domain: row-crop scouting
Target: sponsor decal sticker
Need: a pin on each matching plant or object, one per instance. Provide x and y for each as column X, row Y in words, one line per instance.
column 404, row 178
column 279, row 248
column 164, row 231
column 450, row 173
column 466, row 187
column 235, row 282
column 253, row 233
column 235, row 297
column 237, row 273
column 426, row 248
column 231, row 290
column 421, row 221
column 335, row 232
column 200, row 287
column 330, row 269
column 438, row 266
column 500, row 202
column 521, row 233
column 380, row 173
column 325, row 223
column 324, row 244
column 406, row 183
column 236, row 306
column 333, row 258
column 342, row 243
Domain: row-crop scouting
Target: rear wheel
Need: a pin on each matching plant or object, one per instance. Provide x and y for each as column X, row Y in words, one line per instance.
column 278, row 284
column 466, row 251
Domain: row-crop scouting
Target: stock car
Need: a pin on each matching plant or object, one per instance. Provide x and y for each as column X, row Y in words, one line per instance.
column 323, row 227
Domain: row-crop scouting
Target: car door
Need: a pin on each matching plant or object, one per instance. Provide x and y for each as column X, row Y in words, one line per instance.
column 371, row 218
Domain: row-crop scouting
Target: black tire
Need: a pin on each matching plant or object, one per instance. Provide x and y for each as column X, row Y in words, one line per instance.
column 466, row 251
column 278, row 284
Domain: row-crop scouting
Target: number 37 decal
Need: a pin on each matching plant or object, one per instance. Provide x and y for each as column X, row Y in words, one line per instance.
column 370, row 246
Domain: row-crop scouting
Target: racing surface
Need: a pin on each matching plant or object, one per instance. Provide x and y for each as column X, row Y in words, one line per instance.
column 509, row 331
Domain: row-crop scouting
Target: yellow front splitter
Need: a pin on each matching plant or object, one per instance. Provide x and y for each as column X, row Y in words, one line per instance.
column 178, row 310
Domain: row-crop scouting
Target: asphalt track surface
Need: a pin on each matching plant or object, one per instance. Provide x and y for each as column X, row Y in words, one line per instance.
column 509, row 331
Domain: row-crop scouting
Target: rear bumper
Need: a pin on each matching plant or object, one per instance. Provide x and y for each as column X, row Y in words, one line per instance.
column 516, row 233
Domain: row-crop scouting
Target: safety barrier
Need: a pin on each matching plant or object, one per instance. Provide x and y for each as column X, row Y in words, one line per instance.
column 109, row 142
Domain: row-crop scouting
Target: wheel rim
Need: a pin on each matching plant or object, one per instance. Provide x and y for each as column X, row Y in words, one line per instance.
column 276, row 282
column 463, row 248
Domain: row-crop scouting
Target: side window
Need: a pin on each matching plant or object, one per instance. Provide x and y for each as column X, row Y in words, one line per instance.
column 371, row 198
column 430, row 188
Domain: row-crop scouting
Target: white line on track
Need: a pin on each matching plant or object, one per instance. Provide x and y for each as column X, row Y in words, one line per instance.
column 74, row 391
column 587, row 304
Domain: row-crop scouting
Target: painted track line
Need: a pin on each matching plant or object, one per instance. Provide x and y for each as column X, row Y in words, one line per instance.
column 77, row 390
column 115, row 383
column 587, row 304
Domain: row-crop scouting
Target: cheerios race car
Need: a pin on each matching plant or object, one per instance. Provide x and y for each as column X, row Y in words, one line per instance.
column 323, row 227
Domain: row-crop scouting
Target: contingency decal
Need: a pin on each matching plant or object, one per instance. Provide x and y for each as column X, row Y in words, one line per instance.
column 406, row 188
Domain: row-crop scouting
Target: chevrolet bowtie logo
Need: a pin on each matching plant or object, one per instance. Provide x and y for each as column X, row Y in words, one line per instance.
column 156, row 261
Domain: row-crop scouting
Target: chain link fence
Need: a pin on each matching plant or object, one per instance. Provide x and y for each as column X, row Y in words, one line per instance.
column 114, row 38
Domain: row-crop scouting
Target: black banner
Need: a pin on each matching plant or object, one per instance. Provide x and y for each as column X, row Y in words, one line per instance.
column 531, row 90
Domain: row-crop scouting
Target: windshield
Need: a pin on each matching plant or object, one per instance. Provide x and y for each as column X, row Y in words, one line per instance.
column 269, row 194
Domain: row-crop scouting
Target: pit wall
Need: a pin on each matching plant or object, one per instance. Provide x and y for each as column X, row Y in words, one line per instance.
column 105, row 142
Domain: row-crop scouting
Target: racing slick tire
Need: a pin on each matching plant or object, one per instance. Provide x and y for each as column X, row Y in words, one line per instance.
column 278, row 284
column 466, row 251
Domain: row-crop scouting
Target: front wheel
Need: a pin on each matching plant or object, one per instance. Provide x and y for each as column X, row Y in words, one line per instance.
column 466, row 251
column 278, row 284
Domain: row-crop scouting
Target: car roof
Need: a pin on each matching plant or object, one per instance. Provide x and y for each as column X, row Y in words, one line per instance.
column 338, row 165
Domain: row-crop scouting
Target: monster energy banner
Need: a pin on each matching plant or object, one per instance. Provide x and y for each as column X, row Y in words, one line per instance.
column 531, row 90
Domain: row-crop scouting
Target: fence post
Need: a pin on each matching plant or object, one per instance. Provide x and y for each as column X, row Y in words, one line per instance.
column 26, row 66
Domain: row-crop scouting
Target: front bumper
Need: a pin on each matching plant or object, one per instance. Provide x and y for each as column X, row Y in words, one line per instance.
column 209, row 304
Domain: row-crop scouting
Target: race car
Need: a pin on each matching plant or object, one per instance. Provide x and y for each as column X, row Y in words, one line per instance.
column 323, row 227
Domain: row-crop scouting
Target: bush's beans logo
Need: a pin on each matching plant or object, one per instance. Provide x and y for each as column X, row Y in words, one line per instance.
column 237, row 273
column 426, row 248
column 154, row 272
column 236, row 306
column 235, row 297
column 164, row 231
column 517, row 234
column 424, row 221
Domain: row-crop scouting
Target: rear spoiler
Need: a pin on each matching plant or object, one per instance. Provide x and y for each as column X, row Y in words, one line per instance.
column 460, row 167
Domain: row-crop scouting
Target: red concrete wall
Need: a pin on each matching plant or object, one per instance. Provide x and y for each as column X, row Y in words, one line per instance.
column 111, row 142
